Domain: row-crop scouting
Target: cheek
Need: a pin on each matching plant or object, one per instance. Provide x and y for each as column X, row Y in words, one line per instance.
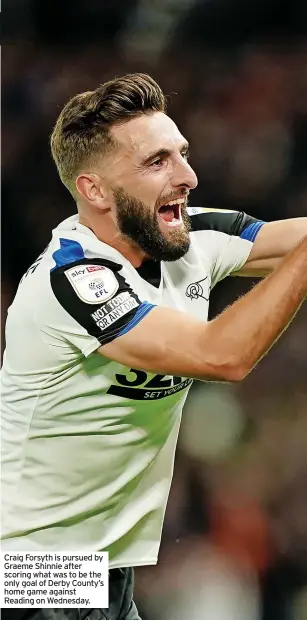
column 153, row 188
column 147, row 187
column 148, row 191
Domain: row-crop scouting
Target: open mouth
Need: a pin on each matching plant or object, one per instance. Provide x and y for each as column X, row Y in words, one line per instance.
column 171, row 212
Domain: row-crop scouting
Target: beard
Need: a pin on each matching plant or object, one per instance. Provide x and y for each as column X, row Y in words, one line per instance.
column 140, row 226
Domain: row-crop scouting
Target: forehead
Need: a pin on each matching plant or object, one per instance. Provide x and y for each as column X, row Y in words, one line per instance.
column 147, row 133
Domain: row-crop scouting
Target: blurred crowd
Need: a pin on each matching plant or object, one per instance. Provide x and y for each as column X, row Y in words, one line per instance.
column 235, row 537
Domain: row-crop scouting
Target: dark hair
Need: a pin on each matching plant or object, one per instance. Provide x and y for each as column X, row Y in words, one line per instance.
column 82, row 128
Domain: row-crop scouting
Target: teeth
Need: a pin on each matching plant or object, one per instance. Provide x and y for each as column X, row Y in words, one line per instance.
column 177, row 201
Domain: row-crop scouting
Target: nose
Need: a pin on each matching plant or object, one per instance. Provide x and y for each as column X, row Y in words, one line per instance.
column 183, row 175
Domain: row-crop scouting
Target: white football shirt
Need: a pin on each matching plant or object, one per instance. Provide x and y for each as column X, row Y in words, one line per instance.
column 88, row 445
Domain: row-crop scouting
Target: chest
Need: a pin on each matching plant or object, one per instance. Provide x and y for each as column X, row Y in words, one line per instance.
column 183, row 285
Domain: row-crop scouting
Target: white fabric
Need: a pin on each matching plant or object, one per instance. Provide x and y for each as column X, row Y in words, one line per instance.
column 84, row 469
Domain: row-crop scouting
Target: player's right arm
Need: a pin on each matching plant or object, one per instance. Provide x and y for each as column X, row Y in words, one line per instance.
column 226, row 348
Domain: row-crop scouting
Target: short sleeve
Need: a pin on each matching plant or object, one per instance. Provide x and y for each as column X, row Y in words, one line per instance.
column 97, row 304
column 228, row 255
column 226, row 238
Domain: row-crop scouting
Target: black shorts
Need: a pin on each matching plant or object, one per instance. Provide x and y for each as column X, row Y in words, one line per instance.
column 121, row 604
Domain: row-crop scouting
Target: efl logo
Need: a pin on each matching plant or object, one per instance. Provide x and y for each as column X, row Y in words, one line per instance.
column 92, row 289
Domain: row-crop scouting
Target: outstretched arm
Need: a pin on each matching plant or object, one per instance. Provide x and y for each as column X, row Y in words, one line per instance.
column 131, row 331
column 226, row 348
column 272, row 243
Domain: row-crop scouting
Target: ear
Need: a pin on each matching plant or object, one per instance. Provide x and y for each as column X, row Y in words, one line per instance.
column 89, row 186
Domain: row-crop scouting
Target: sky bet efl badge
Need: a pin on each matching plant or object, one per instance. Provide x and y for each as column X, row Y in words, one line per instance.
column 92, row 283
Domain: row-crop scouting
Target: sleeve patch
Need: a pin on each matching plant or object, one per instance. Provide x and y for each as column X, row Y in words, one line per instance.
column 92, row 283
column 114, row 310
column 99, row 298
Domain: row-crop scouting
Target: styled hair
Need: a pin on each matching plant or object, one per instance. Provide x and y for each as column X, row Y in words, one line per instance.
column 82, row 130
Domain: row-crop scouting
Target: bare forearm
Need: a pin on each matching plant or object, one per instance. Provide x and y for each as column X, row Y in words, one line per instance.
column 247, row 330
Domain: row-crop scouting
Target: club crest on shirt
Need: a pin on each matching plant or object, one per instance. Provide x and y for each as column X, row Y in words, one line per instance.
column 196, row 290
column 92, row 283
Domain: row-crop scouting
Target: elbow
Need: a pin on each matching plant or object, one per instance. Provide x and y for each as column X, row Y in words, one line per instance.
column 237, row 373
column 231, row 372
column 224, row 361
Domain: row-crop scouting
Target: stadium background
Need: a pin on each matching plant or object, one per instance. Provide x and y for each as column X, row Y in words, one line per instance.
column 235, row 536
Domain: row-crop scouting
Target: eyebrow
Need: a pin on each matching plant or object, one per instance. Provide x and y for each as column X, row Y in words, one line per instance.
column 162, row 153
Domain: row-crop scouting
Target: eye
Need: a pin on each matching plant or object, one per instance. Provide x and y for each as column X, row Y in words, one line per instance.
column 185, row 153
column 158, row 162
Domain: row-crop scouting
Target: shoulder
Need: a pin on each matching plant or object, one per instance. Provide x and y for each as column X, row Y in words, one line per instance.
column 235, row 223
column 73, row 264
column 93, row 295
column 93, row 280
column 82, row 265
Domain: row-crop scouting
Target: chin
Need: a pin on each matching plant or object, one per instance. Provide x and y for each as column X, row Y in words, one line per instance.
column 173, row 251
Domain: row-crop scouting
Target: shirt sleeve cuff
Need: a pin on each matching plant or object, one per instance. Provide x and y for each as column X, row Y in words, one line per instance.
column 251, row 231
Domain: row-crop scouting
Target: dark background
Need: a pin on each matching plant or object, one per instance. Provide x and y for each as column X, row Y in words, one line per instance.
column 235, row 536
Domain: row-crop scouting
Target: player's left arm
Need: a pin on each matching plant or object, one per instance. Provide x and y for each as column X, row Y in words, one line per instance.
column 273, row 241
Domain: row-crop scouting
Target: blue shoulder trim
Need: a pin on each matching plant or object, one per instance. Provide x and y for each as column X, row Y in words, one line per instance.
column 141, row 312
column 251, row 231
column 69, row 252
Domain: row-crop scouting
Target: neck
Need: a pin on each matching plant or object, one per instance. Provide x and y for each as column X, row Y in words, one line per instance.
column 108, row 234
